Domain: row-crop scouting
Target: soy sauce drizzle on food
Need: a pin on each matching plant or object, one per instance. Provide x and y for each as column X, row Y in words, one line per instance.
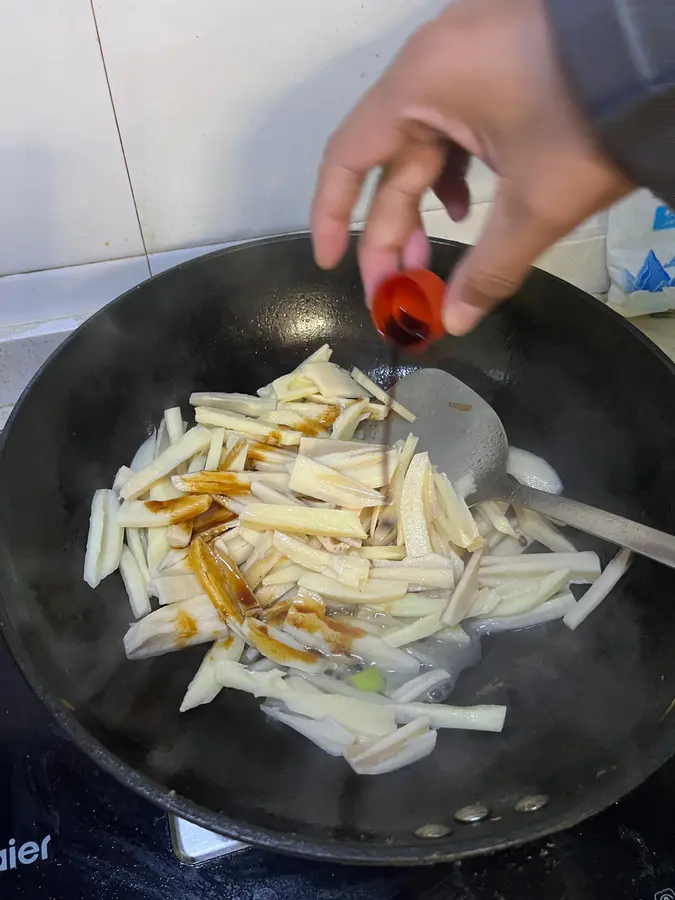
column 405, row 332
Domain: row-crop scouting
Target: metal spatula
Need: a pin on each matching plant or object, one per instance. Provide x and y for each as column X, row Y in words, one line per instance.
column 465, row 436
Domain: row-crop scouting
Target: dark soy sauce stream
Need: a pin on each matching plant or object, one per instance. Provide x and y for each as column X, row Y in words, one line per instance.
column 405, row 333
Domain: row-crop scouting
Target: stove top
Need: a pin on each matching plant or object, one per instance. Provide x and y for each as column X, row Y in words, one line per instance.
column 69, row 831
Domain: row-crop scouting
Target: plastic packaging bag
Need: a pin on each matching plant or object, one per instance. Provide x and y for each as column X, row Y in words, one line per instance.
column 641, row 255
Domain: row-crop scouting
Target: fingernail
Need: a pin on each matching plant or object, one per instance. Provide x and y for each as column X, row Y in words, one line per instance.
column 460, row 318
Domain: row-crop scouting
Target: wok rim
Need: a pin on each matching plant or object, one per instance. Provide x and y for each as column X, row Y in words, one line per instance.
column 460, row 843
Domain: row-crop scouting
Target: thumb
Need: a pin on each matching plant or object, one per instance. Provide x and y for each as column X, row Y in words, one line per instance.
column 513, row 238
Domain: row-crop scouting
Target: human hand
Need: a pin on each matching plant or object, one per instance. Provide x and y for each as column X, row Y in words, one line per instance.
column 482, row 79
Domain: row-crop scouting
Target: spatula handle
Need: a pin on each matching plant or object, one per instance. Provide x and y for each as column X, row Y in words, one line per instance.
column 643, row 540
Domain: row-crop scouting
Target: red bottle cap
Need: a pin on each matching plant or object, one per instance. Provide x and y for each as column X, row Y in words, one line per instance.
column 406, row 308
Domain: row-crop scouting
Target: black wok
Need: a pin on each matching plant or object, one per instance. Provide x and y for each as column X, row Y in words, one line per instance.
column 587, row 717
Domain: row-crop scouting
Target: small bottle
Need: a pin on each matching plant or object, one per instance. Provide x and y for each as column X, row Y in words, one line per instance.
column 406, row 308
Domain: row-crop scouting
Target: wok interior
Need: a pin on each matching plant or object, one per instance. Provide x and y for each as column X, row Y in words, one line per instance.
column 571, row 383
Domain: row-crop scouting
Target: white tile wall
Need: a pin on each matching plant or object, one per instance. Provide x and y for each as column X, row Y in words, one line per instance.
column 225, row 107
column 64, row 193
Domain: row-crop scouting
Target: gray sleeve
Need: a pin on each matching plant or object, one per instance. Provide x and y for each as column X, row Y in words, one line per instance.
column 619, row 60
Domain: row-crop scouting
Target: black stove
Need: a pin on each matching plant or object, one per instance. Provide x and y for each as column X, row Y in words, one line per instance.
column 69, row 831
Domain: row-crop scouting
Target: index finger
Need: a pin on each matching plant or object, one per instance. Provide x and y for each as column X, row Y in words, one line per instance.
column 366, row 139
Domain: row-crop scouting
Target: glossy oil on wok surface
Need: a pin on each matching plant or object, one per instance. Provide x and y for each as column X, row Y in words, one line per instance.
column 586, row 709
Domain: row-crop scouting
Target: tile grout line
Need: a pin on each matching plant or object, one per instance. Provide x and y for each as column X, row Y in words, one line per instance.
column 119, row 135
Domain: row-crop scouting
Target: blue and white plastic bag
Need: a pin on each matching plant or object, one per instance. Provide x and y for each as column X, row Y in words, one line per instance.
column 641, row 255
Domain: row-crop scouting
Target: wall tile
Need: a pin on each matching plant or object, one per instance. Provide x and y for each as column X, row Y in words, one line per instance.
column 64, row 189
column 225, row 107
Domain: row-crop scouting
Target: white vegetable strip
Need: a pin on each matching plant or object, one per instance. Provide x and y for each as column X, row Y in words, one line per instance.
column 197, row 463
column 175, row 588
column 179, row 535
column 250, row 535
column 238, row 549
column 429, row 578
column 140, row 514
column 266, row 594
column 260, row 562
column 162, row 441
column 105, row 538
column 331, row 380
column 497, row 518
column 375, row 650
column 215, row 449
column 318, row 447
column 235, row 453
column 374, row 592
column 184, row 567
column 289, row 419
column 205, row 686
column 598, row 591
column 280, row 647
column 412, row 751
column 94, row 539
column 292, row 387
column 356, row 715
column 268, row 494
column 414, row 631
column 349, row 570
column 393, row 751
column 284, row 576
column 173, row 627
column 313, row 479
column 584, row 566
column 415, row 530
column 136, row 547
column 537, row 528
column 145, row 453
column 528, row 596
column 303, row 520
column 194, row 441
column 465, row 593
column 418, row 687
column 173, row 557
column 471, row 718
column 173, row 421
column 221, row 418
column 510, row 547
column 326, row 733
column 552, row 609
column 378, row 412
column 457, row 521
column 349, row 419
column 414, row 605
column 161, row 490
column 243, row 404
column 362, row 379
column 387, row 553
column 158, row 547
column 124, row 473
column 136, row 587
column 533, row 471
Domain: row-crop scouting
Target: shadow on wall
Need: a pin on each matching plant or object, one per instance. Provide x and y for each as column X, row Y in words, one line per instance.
column 279, row 159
